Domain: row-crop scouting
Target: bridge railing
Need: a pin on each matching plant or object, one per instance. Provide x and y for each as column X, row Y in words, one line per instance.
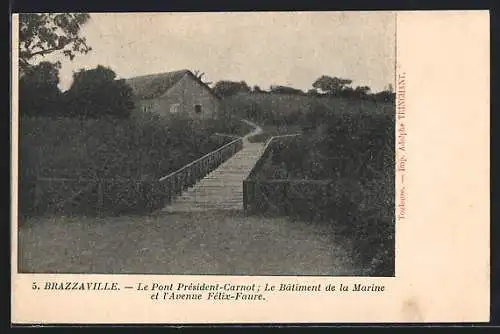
column 94, row 196
column 284, row 196
column 174, row 183
column 267, row 152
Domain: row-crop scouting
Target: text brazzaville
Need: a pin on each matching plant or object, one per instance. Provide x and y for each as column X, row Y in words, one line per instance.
column 91, row 286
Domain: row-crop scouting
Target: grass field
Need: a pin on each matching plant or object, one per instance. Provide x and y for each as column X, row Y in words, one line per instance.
column 191, row 243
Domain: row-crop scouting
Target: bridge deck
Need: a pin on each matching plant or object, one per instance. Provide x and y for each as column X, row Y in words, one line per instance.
column 222, row 189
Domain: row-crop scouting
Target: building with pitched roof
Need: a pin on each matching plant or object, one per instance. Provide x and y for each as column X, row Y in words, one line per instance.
column 179, row 93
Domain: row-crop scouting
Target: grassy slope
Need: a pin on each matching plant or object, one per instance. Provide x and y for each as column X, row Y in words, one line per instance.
column 278, row 113
column 284, row 104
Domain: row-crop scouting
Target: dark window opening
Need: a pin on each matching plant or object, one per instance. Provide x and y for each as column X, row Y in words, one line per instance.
column 197, row 108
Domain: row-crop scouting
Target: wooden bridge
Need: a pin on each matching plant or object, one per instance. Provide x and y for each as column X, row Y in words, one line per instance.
column 222, row 189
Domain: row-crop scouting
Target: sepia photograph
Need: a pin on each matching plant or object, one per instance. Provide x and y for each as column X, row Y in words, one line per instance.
column 249, row 143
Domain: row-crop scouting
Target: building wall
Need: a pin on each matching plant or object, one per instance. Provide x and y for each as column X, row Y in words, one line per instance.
column 183, row 97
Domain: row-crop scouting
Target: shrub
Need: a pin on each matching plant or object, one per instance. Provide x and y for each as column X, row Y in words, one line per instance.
column 132, row 148
column 38, row 90
column 144, row 146
column 97, row 93
column 356, row 152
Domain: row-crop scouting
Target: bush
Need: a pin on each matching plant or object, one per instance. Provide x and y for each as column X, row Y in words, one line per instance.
column 371, row 226
column 39, row 93
column 356, row 152
column 144, row 146
column 354, row 146
column 96, row 93
column 228, row 125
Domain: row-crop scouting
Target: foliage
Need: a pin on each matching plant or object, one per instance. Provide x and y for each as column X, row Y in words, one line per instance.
column 362, row 90
column 144, row 146
column 331, row 85
column 349, row 146
column 38, row 90
column 277, row 89
column 257, row 89
column 96, row 92
column 198, row 74
column 324, row 86
column 45, row 33
column 356, row 151
column 386, row 96
column 287, row 111
column 313, row 92
column 227, row 88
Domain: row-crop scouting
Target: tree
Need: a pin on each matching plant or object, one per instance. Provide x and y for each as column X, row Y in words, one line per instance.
column 227, row 88
column 39, row 94
column 313, row 92
column 200, row 75
column 384, row 96
column 96, row 93
column 331, row 85
column 46, row 33
column 349, row 93
column 387, row 95
column 285, row 90
column 257, row 89
column 362, row 90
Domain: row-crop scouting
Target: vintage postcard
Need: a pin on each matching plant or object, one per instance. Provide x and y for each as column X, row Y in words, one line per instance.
column 250, row 167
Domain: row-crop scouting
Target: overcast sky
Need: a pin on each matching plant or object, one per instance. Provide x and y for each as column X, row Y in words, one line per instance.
column 287, row 48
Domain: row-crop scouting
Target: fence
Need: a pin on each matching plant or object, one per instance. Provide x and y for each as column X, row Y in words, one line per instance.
column 95, row 196
column 122, row 195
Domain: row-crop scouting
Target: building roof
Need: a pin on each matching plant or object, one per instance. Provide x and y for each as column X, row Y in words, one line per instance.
column 151, row 86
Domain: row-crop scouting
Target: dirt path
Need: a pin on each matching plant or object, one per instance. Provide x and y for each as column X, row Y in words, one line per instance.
column 191, row 243
column 257, row 130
